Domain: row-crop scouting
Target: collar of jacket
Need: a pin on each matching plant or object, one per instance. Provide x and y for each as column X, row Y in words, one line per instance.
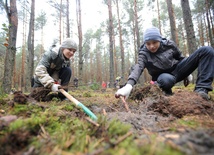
column 58, row 51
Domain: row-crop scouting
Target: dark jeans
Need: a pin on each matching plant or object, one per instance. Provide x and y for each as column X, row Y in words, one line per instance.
column 64, row 74
column 203, row 59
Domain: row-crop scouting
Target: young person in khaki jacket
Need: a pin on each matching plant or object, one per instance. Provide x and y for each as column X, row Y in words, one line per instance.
column 54, row 70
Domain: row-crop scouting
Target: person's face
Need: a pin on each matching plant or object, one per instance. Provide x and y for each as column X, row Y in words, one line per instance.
column 152, row 45
column 68, row 52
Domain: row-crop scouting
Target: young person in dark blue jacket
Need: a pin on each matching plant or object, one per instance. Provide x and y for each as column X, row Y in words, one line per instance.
column 167, row 66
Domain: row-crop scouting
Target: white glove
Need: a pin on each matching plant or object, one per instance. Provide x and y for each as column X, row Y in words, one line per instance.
column 190, row 77
column 125, row 91
column 55, row 87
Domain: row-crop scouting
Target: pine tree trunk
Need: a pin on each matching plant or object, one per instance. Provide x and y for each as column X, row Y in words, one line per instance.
column 30, row 41
column 79, row 23
column 110, row 30
column 67, row 21
column 11, row 49
column 159, row 22
column 191, row 40
column 121, row 45
column 174, row 32
column 208, row 24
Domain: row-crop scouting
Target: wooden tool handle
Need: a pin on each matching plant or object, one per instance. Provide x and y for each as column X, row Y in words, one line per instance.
column 69, row 96
column 79, row 104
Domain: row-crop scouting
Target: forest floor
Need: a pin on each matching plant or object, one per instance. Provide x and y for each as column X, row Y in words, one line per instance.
column 156, row 124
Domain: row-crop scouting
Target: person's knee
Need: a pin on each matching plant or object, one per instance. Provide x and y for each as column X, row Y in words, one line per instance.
column 65, row 75
column 166, row 81
column 68, row 71
column 208, row 50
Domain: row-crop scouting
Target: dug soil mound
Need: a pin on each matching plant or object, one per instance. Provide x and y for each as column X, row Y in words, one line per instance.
column 149, row 104
column 151, row 112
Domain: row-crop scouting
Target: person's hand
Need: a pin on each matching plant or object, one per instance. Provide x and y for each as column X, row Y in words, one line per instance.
column 124, row 91
column 187, row 80
column 55, row 87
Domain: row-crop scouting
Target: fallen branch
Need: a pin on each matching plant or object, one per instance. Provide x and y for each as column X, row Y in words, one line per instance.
column 113, row 109
column 104, row 112
column 43, row 133
column 123, row 138
column 92, row 122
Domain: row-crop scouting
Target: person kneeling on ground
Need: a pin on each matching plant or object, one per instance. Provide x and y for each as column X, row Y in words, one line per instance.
column 53, row 70
column 167, row 66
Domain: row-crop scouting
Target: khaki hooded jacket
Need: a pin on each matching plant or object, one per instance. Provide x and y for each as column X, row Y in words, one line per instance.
column 47, row 70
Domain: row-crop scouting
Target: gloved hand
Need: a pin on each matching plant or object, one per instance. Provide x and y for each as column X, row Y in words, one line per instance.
column 187, row 80
column 55, row 87
column 124, row 91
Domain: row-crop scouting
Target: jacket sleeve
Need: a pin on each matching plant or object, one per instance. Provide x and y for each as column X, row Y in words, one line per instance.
column 41, row 70
column 137, row 69
column 177, row 53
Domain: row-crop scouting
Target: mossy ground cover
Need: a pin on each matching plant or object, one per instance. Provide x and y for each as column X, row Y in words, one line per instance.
column 59, row 127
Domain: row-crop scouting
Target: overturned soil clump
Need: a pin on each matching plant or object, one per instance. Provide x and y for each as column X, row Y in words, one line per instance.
column 153, row 112
column 180, row 104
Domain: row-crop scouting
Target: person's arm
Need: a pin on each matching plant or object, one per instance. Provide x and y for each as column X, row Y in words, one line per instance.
column 133, row 78
column 42, row 73
column 137, row 69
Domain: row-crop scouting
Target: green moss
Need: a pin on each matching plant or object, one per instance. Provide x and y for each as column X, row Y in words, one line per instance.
column 68, row 107
column 19, row 123
column 20, row 109
column 2, row 101
column 94, row 86
column 87, row 94
column 117, row 128
column 31, row 123
column 163, row 149
column 188, row 123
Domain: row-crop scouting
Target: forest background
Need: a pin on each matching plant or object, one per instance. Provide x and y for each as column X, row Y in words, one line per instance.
column 108, row 32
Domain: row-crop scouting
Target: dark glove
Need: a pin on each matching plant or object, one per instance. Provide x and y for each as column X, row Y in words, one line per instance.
column 187, row 80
